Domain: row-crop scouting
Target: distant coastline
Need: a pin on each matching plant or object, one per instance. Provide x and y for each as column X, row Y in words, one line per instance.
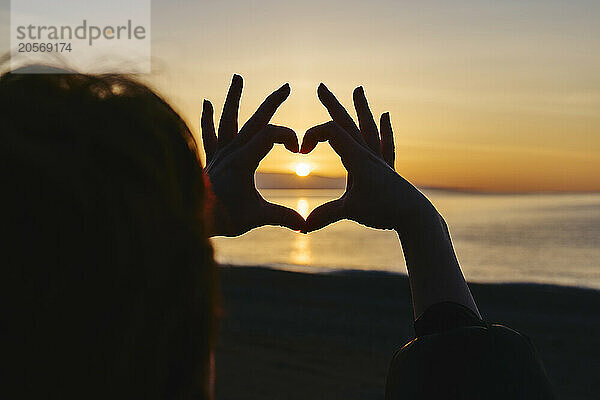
column 272, row 180
column 266, row 180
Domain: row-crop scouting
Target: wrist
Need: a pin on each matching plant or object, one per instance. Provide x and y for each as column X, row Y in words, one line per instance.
column 423, row 217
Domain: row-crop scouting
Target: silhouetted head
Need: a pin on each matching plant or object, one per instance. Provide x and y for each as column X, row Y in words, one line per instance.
column 108, row 280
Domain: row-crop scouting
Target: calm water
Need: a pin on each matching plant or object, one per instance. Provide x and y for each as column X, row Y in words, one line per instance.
column 498, row 238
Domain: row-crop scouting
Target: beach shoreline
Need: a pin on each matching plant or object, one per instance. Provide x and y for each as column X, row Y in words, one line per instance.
column 321, row 336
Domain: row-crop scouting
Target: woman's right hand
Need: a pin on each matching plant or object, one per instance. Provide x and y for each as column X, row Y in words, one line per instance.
column 376, row 196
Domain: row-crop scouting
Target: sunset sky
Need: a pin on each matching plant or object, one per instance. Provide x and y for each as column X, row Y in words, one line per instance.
column 486, row 95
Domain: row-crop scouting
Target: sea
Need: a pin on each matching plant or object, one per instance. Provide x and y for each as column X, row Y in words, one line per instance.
column 533, row 238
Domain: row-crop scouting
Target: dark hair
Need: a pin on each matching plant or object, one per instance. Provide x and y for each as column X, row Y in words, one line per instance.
column 108, row 280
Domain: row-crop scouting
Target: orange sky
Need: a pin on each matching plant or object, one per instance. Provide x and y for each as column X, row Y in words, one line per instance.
column 485, row 95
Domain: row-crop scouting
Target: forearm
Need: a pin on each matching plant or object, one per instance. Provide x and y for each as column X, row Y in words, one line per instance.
column 433, row 269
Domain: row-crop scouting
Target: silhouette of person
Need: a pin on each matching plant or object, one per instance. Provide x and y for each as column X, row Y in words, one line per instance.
column 109, row 286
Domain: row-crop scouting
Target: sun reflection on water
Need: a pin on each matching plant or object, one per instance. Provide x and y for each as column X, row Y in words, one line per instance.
column 302, row 207
column 301, row 253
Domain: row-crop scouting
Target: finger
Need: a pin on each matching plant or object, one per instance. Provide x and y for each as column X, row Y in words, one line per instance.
column 367, row 124
column 276, row 214
column 387, row 140
column 209, row 137
column 228, row 125
column 265, row 112
column 340, row 140
column 260, row 145
column 324, row 215
column 338, row 113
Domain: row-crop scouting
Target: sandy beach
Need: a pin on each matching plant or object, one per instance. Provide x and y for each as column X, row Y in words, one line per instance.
column 288, row 335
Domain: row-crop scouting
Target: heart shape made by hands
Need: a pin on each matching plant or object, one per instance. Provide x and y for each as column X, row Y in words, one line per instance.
column 290, row 189
column 233, row 157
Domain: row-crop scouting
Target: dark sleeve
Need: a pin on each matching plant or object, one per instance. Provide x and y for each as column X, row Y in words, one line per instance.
column 445, row 316
column 457, row 355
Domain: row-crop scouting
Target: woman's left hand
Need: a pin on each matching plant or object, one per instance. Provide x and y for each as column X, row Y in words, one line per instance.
column 232, row 158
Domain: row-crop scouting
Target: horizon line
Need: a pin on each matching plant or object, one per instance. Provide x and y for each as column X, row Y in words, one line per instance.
column 427, row 187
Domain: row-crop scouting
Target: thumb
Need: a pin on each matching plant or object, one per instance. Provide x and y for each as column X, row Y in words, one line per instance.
column 324, row 215
column 276, row 214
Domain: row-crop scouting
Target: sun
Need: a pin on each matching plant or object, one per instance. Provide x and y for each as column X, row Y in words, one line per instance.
column 303, row 169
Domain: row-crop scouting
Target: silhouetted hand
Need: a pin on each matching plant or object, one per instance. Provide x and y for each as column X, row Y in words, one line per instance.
column 375, row 195
column 232, row 159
